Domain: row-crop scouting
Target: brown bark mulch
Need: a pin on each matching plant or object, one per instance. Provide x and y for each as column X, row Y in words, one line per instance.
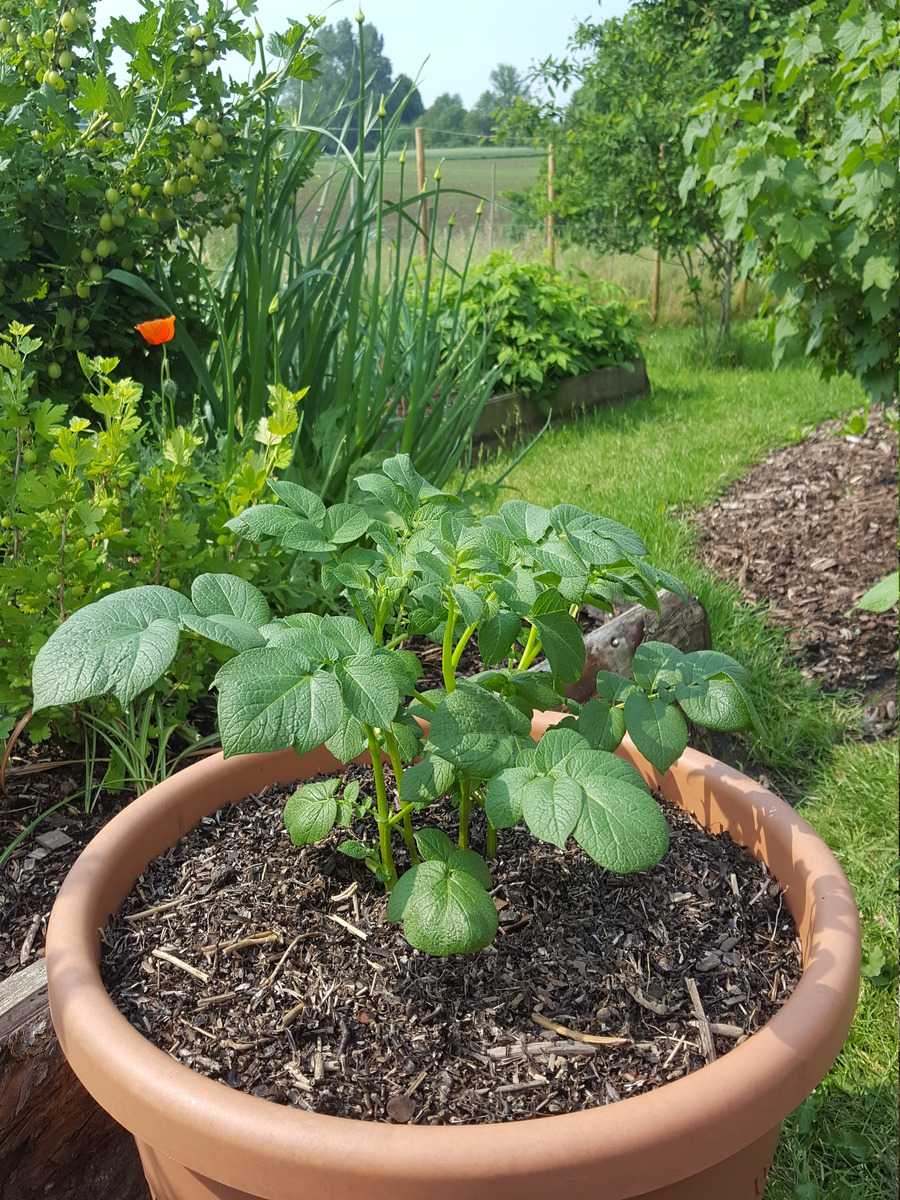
column 808, row 532
column 306, row 997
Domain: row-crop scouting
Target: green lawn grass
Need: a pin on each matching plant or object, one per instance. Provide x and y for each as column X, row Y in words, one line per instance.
column 648, row 463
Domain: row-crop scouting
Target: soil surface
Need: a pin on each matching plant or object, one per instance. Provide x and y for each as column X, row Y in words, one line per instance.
column 287, row 983
column 31, row 877
column 808, row 532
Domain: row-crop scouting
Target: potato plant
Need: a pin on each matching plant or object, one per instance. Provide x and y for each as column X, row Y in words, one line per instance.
column 409, row 559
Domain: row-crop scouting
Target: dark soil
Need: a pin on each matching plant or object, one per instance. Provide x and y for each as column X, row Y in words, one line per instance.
column 808, row 532
column 306, row 997
column 39, row 778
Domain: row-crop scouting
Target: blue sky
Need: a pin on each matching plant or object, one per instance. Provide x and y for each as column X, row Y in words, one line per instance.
column 463, row 40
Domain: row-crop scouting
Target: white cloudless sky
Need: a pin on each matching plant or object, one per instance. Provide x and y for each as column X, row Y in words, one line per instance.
column 462, row 40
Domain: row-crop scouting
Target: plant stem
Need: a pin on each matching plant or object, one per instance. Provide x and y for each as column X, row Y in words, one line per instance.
column 465, row 812
column 447, row 670
column 461, row 644
column 381, row 804
column 393, row 750
column 490, row 846
column 531, row 651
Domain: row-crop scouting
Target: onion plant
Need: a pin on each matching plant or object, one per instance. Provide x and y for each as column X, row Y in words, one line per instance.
column 334, row 288
column 407, row 559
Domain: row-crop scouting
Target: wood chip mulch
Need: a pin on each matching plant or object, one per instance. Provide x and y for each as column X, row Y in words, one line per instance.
column 808, row 532
column 271, row 969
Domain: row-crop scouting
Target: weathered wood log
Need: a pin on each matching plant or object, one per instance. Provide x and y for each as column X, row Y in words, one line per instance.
column 56, row 1143
column 611, row 647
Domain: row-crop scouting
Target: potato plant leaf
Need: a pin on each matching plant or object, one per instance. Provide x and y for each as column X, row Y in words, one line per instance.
column 444, row 909
column 657, row 728
column 311, row 812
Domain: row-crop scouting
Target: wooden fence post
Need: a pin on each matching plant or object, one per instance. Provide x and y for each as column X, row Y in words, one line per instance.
column 493, row 205
column 551, row 197
column 420, row 171
column 654, row 284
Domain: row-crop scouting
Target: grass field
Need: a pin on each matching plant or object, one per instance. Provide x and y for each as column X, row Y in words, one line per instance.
column 648, row 463
column 486, row 172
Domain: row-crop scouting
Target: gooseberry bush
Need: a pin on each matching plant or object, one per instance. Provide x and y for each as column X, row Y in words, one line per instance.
column 408, row 559
column 112, row 142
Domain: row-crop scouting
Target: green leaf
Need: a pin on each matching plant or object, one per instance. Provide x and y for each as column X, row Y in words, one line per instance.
column 525, row 523
column 602, row 724
column 445, row 910
column 401, row 471
column 345, row 523
column 271, row 699
column 654, row 659
column 883, row 596
column 225, row 629
column 264, row 520
column 477, row 731
column 717, row 704
column 369, row 689
column 120, row 644
column 503, row 797
column 563, row 643
column 216, row 594
column 657, row 729
column 355, row 850
column 621, row 826
column 560, row 752
column 497, row 635
column 303, row 502
column 613, row 688
column 311, row 812
column 878, row 272
column 426, row 781
column 470, row 604
column 399, row 897
column 551, row 808
column 348, row 741
column 434, row 844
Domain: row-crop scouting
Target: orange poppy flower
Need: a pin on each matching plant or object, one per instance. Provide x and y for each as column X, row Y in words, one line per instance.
column 158, row 332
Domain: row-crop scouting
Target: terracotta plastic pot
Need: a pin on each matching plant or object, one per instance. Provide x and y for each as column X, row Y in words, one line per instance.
column 708, row 1136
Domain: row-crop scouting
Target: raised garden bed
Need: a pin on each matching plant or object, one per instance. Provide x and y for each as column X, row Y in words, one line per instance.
column 510, row 411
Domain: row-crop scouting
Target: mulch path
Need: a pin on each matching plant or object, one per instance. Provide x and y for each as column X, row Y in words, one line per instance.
column 808, row 532
column 323, row 1006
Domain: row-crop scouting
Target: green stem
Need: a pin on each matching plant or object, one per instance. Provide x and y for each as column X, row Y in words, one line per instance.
column 393, row 750
column 491, row 841
column 383, row 816
column 461, row 645
column 447, row 670
column 426, row 700
column 465, row 812
column 531, row 651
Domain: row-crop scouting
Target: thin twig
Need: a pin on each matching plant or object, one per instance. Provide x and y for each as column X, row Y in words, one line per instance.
column 165, row 956
column 270, row 979
column 654, row 1006
column 363, row 937
column 706, row 1037
column 592, row 1039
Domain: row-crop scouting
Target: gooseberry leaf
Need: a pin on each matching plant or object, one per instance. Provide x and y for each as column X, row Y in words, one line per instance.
column 120, row 644
column 229, row 594
column 657, row 728
column 271, row 699
column 445, row 909
column 311, row 812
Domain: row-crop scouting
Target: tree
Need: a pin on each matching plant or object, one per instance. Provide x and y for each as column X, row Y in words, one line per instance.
column 480, row 117
column 620, row 160
column 508, row 85
column 337, row 95
column 446, row 121
column 406, row 93
column 799, row 151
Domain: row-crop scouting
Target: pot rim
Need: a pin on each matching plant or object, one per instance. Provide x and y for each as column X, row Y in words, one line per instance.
column 638, row 1143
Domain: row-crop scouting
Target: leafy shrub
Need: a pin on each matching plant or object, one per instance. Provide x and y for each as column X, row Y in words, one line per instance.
column 800, row 152
column 409, row 559
column 85, row 506
column 543, row 328
column 112, row 142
